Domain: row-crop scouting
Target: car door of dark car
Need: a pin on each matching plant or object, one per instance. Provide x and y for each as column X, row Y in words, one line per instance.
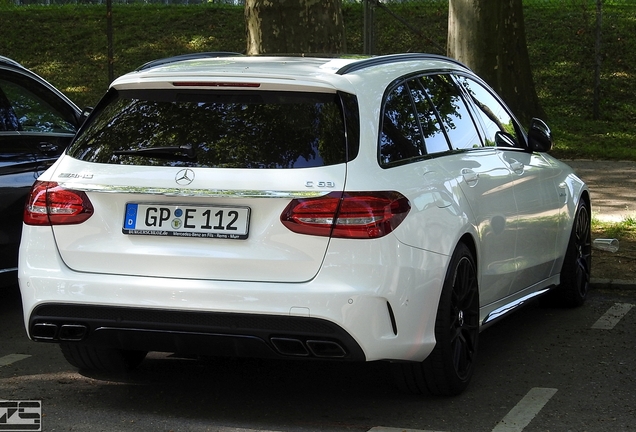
column 36, row 125
column 18, row 168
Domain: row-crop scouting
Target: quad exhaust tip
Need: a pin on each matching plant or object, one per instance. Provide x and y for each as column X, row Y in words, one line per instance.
column 44, row 331
column 64, row 332
column 315, row 348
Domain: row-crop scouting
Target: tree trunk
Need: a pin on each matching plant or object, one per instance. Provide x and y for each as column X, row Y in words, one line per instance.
column 294, row 26
column 489, row 37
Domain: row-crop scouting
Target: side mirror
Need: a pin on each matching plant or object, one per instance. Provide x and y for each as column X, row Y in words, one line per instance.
column 539, row 136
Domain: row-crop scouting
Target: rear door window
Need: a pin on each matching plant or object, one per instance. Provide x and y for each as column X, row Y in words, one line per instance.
column 432, row 128
column 453, row 112
column 223, row 129
column 421, row 116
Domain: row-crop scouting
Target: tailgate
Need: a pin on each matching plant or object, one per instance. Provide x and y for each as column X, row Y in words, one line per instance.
column 224, row 225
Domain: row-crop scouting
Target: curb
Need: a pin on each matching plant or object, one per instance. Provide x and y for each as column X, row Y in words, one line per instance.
column 612, row 283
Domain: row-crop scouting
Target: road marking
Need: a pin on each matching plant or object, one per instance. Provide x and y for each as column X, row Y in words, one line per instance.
column 612, row 316
column 233, row 429
column 12, row 358
column 515, row 421
column 390, row 429
column 527, row 409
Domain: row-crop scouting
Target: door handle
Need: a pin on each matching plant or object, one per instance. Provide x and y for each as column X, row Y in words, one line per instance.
column 517, row 167
column 563, row 192
column 48, row 149
column 470, row 177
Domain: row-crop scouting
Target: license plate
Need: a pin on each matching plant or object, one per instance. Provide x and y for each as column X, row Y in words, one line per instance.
column 187, row 221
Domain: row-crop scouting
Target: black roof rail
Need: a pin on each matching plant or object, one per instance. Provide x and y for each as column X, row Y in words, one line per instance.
column 191, row 56
column 393, row 58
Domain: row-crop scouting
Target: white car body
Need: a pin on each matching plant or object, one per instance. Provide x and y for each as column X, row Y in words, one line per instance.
column 367, row 299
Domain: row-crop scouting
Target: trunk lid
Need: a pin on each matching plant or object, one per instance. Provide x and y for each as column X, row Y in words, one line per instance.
column 108, row 243
column 191, row 182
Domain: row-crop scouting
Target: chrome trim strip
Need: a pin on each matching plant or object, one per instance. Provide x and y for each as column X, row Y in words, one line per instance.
column 9, row 270
column 505, row 309
column 182, row 192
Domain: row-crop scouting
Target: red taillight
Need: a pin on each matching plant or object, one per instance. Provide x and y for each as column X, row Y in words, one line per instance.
column 214, row 84
column 362, row 215
column 50, row 204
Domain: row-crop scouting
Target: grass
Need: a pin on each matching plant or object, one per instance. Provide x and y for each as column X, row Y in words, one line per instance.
column 67, row 46
column 621, row 230
column 564, row 77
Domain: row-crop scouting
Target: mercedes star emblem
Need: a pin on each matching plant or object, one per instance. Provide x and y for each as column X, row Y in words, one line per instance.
column 184, row 177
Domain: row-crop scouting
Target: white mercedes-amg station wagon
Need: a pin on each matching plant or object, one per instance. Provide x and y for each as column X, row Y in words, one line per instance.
column 386, row 208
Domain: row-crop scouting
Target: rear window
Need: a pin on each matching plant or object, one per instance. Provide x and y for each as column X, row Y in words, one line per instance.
column 222, row 129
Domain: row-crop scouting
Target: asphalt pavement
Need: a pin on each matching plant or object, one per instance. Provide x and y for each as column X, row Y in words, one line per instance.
column 612, row 187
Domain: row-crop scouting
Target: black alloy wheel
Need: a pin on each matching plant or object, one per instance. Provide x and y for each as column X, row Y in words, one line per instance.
column 464, row 318
column 577, row 264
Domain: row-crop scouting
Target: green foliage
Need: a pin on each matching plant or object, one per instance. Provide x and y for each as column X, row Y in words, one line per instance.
column 622, row 230
column 67, row 46
column 564, row 77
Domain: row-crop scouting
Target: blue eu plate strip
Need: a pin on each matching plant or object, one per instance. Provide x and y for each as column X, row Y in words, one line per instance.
column 131, row 216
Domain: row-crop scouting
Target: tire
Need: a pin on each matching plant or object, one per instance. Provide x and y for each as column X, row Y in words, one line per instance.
column 577, row 263
column 90, row 358
column 449, row 368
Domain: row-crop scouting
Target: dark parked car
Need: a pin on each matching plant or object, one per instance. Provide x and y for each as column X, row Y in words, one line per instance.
column 36, row 123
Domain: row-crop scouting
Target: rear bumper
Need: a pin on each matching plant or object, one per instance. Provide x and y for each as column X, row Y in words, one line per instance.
column 377, row 305
column 191, row 332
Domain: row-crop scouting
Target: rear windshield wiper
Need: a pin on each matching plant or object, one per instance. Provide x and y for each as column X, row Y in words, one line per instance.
column 185, row 151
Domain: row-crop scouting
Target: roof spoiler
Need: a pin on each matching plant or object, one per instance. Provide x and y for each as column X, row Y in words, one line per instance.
column 191, row 56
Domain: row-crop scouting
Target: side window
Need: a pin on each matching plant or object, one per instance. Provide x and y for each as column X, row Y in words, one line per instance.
column 494, row 116
column 432, row 129
column 452, row 110
column 8, row 119
column 32, row 111
column 400, row 137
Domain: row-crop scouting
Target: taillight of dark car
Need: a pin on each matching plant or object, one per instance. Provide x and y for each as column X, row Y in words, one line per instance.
column 50, row 204
column 360, row 215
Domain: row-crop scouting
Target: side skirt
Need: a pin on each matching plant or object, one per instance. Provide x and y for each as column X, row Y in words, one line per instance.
column 512, row 303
